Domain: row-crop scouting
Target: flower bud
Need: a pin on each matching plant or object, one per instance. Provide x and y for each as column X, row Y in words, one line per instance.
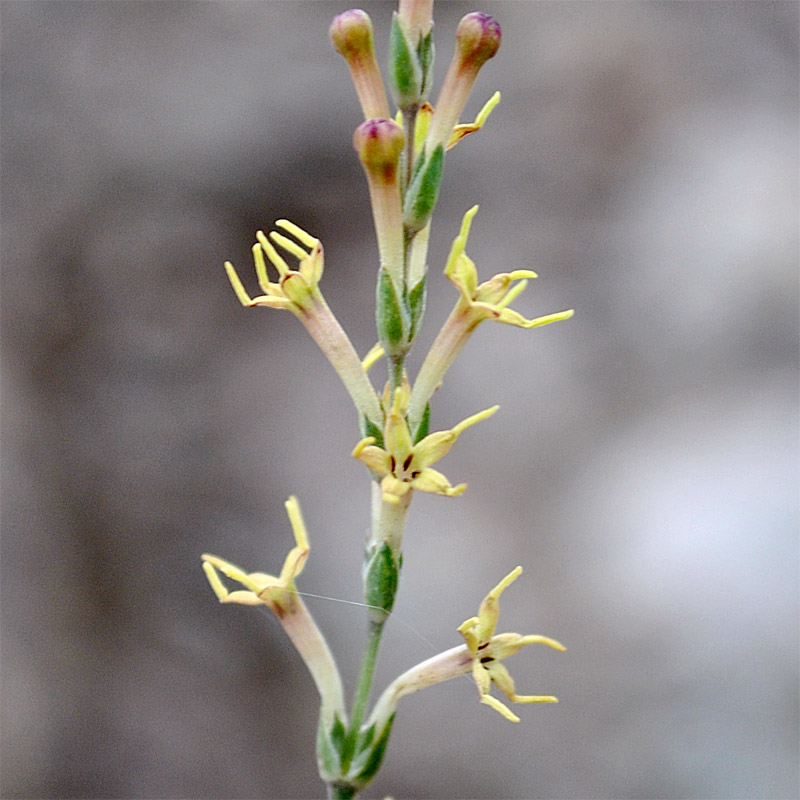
column 477, row 39
column 351, row 35
column 379, row 143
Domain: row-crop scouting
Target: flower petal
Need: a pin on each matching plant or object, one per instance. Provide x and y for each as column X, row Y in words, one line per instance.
column 502, row 709
column 429, row 480
column 490, row 608
column 433, row 447
column 377, row 459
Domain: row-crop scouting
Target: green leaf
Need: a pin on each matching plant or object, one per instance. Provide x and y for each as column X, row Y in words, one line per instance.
column 368, row 762
column 329, row 748
column 416, row 305
column 425, row 52
column 365, row 737
column 424, row 424
column 369, row 428
column 381, row 578
column 338, row 733
column 390, row 315
column 424, row 190
column 405, row 74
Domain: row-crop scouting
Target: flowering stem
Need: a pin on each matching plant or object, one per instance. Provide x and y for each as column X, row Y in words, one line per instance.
column 326, row 331
column 341, row 791
column 367, row 670
column 313, row 648
column 409, row 124
column 448, row 344
column 363, row 688
column 396, row 374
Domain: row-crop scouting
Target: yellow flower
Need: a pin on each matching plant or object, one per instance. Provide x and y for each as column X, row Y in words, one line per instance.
column 405, row 465
column 480, row 656
column 488, row 651
column 295, row 287
column 277, row 592
column 297, row 290
column 490, row 300
column 478, row 302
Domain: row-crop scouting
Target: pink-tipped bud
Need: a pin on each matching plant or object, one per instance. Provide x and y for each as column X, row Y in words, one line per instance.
column 379, row 143
column 351, row 34
column 477, row 39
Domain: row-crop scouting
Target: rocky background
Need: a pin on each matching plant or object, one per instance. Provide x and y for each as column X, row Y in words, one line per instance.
column 643, row 467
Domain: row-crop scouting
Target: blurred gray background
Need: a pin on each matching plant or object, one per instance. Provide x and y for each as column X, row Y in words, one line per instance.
column 643, row 467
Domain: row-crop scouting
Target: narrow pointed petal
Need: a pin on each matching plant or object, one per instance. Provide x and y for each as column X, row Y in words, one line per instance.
column 244, row 598
column 502, row 678
column 288, row 245
column 306, row 238
column 533, row 698
column 481, row 678
column 216, row 584
column 429, row 480
column 392, row 490
column 377, row 459
column 490, row 608
column 397, row 437
column 271, row 302
column 501, row 709
column 433, row 447
column 475, row 418
column 293, row 565
column 464, row 129
column 531, row 639
column 272, row 254
column 238, row 286
column 297, row 522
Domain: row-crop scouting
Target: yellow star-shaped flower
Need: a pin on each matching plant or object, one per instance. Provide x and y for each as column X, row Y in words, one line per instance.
column 489, row 650
column 276, row 592
column 295, row 287
column 405, row 465
column 490, row 300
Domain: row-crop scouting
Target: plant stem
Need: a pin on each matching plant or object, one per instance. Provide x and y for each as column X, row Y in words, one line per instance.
column 361, row 696
column 367, row 671
column 396, row 372
column 409, row 127
column 338, row 791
